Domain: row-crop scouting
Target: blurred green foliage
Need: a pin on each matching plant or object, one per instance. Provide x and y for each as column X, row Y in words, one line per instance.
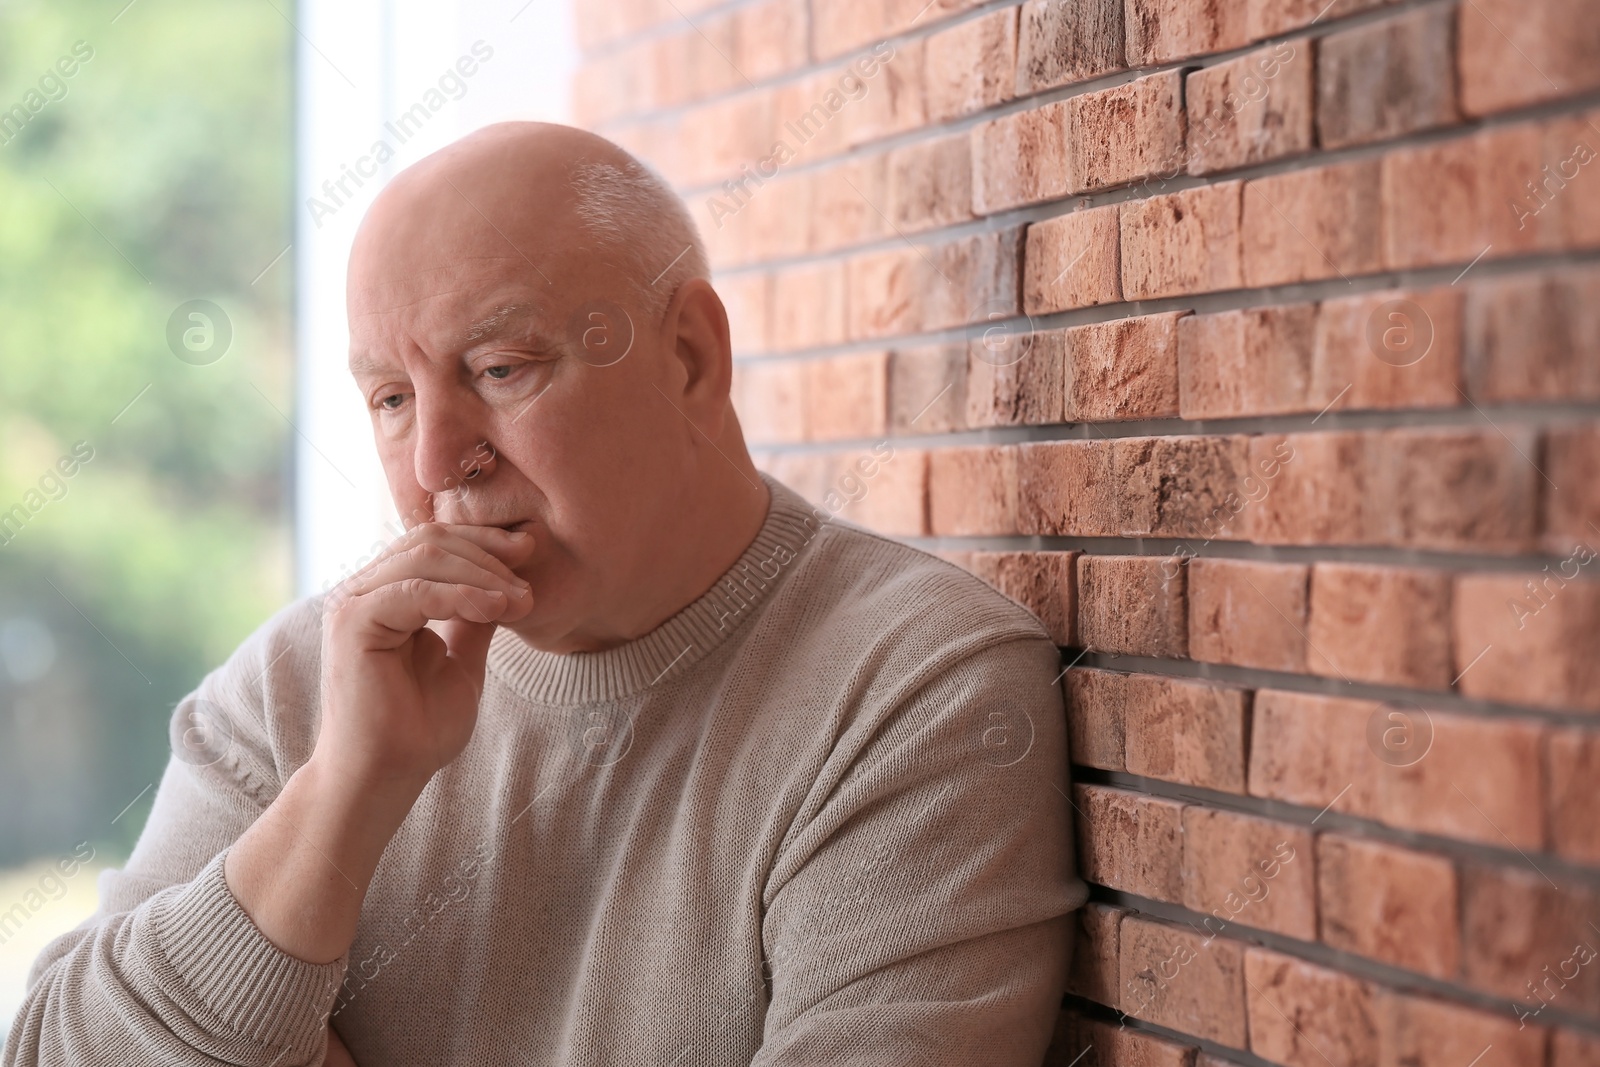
column 160, row 171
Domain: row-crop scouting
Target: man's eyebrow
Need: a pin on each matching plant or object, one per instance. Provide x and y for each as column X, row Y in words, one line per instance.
column 498, row 320
column 360, row 365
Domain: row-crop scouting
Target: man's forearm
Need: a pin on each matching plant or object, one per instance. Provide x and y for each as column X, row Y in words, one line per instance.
column 302, row 870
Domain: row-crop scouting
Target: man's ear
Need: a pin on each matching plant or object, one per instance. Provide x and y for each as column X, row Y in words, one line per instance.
column 699, row 340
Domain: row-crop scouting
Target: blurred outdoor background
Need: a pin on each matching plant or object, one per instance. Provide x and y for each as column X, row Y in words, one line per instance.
column 164, row 170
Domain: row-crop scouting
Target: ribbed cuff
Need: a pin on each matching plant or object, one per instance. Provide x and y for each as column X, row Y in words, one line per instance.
column 255, row 988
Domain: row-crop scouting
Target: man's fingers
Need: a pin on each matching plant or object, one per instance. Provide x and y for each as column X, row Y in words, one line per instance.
column 391, row 613
column 509, row 549
column 483, row 545
column 439, row 563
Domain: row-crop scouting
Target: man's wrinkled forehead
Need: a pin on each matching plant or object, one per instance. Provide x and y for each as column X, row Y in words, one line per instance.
column 395, row 289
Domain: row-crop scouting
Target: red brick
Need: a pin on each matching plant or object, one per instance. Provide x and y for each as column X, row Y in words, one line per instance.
column 746, row 298
column 1160, row 31
column 1391, row 349
column 1269, row 18
column 1132, row 605
column 1129, row 842
column 770, row 38
column 846, row 396
column 1569, row 1048
column 1311, row 750
column 1095, row 974
column 770, row 400
column 890, row 491
column 893, row 99
column 1571, row 143
column 841, row 25
column 1389, row 903
column 1573, row 761
column 1251, row 362
column 1519, row 931
column 1456, row 489
column 1310, row 488
column 930, row 183
column 1472, row 777
column 1251, row 109
column 973, row 280
column 1042, row 582
column 1423, row 1032
column 812, row 115
column 1193, row 733
column 775, row 221
column 606, row 88
column 1188, row 486
column 1533, row 337
column 1174, row 977
column 1433, row 204
column 1182, row 243
column 1516, row 52
column 1248, row 870
column 1013, row 378
column 849, row 200
column 1538, row 631
column 1312, row 224
column 1248, row 614
column 717, row 139
column 1084, row 1042
column 1380, row 624
column 1073, row 261
column 1065, row 41
column 887, row 290
column 973, row 491
column 1302, row 1015
column 808, row 307
column 1067, row 488
column 1119, row 135
column 1478, row 781
column 971, row 66
column 804, row 472
column 1122, row 369
column 1097, row 703
column 1514, row 215
column 927, row 389
column 1020, row 159
column 1387, row 78
column 698, row 62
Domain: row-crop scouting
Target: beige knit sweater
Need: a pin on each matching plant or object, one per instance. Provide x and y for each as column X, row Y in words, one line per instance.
column 817, row 817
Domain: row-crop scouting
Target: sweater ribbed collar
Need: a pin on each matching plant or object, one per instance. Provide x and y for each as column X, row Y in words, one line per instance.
column 678, row 644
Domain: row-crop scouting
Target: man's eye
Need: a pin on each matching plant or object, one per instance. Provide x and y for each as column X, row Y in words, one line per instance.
column 498, row 373
column 392, row 401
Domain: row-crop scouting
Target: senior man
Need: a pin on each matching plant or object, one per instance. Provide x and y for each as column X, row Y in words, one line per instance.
column 623, row 753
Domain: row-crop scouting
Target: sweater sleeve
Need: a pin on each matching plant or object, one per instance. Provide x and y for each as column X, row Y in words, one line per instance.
column 921, row 915
column 170, row 969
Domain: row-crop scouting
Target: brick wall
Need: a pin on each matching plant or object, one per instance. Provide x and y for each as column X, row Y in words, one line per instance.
column 1255, row 345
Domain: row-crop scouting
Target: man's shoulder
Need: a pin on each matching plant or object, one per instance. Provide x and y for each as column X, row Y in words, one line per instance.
column 907, row 591
column 265, row 697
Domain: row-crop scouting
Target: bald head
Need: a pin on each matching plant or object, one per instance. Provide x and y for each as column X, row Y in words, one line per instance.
column 534, row 331
column 545, row 195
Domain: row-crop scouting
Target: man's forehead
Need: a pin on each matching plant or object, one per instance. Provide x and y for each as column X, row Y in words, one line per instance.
column 396, row 287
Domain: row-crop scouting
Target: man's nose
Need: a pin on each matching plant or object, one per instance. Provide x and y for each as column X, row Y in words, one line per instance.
column 451, row 448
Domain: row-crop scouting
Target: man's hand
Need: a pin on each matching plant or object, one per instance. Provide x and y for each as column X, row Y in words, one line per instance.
column 399, row 701
column 338, row 1055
